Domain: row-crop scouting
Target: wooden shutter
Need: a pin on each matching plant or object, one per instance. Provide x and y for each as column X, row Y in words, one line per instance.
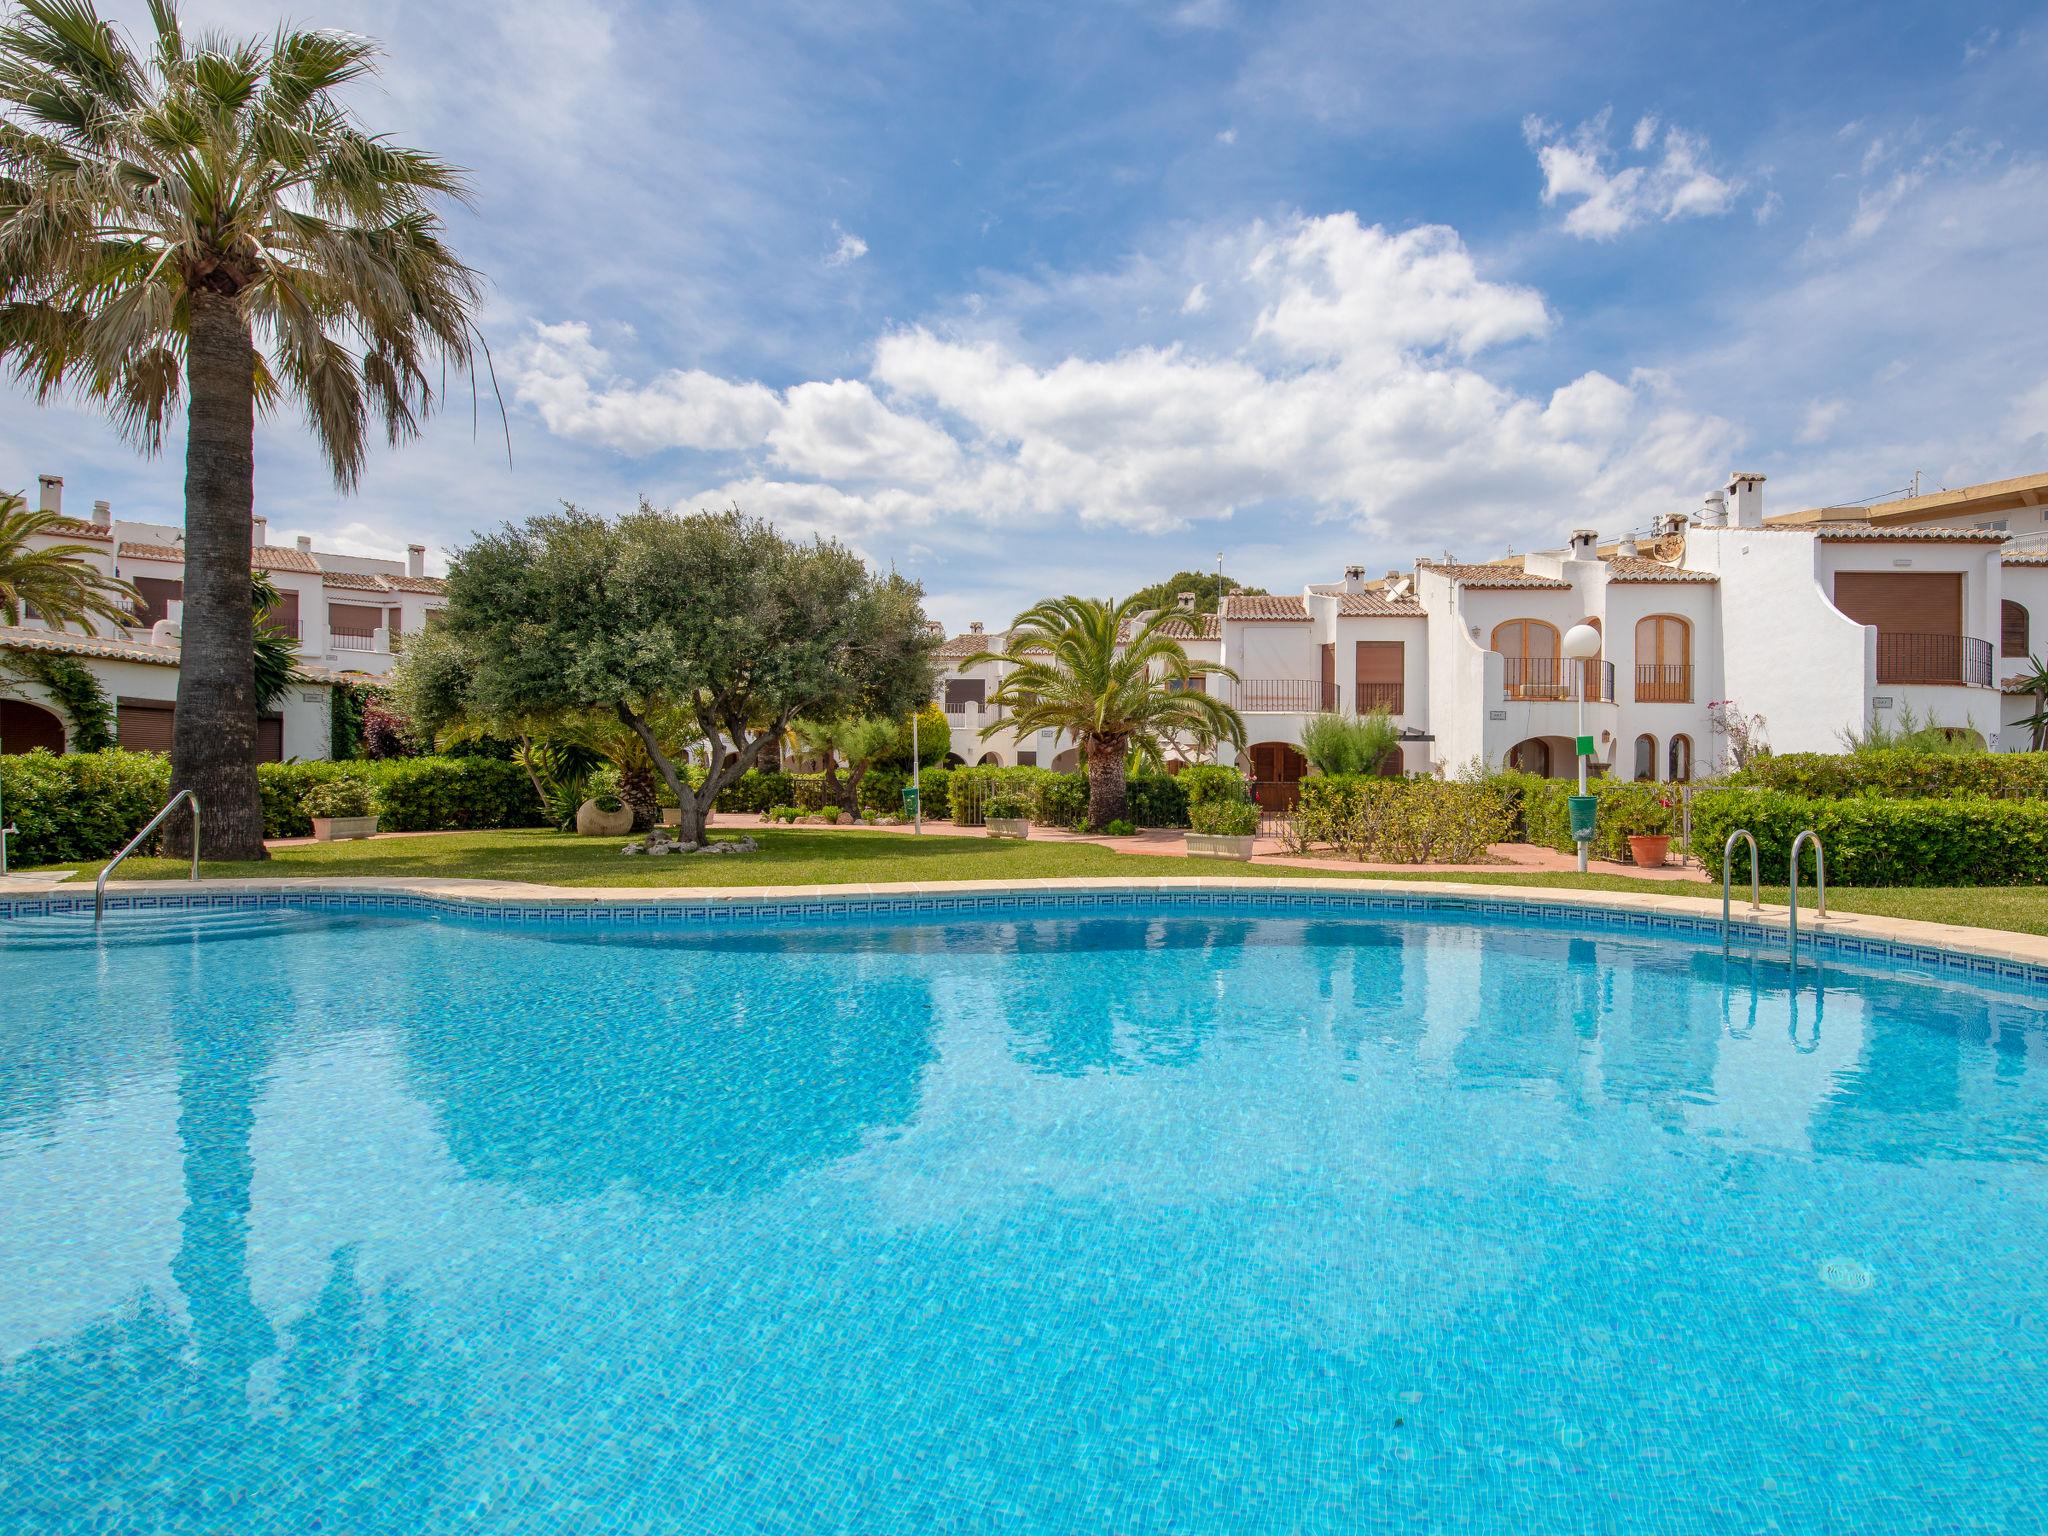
column 270, row 738
column 1903, row 602
column 144, row 725
column 1382, row 668
column 2012, row 629
column 284, row 618
column 158, row 593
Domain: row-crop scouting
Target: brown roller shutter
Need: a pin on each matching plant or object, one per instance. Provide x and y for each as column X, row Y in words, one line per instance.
column 157, row 595
column 1382, row 669
column 144, row 725
column 1903, row 602
column 270, row 738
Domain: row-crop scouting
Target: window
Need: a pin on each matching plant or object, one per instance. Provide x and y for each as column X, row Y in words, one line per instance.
column 1532, row 670
column 1663, row 660
column 1646, row 757
column 2012, row 629
column 1381, row 668
column 158, row 593
column 1681, row 760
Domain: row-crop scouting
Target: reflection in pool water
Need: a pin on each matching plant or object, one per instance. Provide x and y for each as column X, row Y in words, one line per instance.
column 1136, row 1223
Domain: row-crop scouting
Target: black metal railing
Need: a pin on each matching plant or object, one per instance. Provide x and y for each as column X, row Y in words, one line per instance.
column 1380, row 696
column 1555, row 678
column 1663, row 684
column 1934, row 659
column 1281, row 695
column 278, row 624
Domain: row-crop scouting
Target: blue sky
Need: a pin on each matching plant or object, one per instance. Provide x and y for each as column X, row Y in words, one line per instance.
column 1025, row 298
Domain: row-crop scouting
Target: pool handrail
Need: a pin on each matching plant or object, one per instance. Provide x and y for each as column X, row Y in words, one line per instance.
column 1756, row 890
column 99, row 886
column 1820, row 886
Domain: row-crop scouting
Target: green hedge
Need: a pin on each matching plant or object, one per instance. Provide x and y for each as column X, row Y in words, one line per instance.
column 1158, row 800
column 81, row 806
column 1540, row 812
column 1903, row 775
column 1061, row 799
column 1403, row 821
column 1874, row 841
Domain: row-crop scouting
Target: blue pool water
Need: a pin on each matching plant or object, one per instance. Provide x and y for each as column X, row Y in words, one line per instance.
column 1150, row 1222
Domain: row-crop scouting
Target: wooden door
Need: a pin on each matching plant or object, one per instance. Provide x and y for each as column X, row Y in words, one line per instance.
column 1277, row 771
column 1329, row 699
column 1532, row 670
column 25, row 726
column 270, row 738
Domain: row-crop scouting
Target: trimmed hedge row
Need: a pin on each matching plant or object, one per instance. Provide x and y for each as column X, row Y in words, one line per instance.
column 1403, row 821
column 1903, row 775
column 1875, row 841
column 1061, row 799
column 1541, row 812
column 83, row 805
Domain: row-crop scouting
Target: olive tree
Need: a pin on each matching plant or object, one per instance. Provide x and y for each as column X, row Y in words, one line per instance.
column 713, row 615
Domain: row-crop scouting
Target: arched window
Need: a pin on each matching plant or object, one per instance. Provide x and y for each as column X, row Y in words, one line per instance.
column 2012, row 629
column 1681, row 760
column 1663, row 660
column 1530, row 648
column 1646, row 757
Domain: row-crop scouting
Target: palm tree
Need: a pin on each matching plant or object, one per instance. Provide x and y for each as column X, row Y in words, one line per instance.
column 1112, row 677
column 56, row 581
column 2034, row 682
column 205, row 224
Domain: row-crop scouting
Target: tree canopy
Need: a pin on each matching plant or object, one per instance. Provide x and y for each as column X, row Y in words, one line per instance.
column 713, row 615
column 1166, row 594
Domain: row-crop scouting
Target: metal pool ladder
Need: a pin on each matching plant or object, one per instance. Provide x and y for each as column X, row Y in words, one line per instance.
column 99, row 886
column 1741, row 834
column 1820, row 886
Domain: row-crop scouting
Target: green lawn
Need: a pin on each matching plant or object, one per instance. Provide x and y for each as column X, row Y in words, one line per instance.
column 798, row 856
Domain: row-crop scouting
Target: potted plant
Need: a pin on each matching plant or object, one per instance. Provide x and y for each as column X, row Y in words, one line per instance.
column 1222, row 829
column 1645, row 820
column 1005, row 815
column 604, row 814
column 341, row 809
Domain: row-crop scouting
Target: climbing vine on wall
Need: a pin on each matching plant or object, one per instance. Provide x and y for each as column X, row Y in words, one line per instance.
column 73, row 689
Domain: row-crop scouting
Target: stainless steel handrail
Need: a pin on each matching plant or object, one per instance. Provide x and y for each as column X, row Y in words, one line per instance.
column 99, row 886
column 1820, row 885
column 1756, row 889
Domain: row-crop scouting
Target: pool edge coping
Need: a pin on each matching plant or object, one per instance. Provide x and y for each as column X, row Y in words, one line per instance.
column 1992, row 943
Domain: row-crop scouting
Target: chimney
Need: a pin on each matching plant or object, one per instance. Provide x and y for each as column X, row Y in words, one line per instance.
column 305, row 542
column 1747, row 492
column 1584, row 542
column 53, row 493
column 1184, row 601
column 1627, row 547
column 1714, row 511
column 1354, row 578
column 415, row 559
column 103, row 514
column 260, row 535
column 974, row 628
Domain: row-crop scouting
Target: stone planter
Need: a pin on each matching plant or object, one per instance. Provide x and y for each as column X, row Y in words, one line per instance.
column 999, row 826
column 671, row 816
column 592, row 822
column 339, row 829
column 1649, row 852
column 1212, row 845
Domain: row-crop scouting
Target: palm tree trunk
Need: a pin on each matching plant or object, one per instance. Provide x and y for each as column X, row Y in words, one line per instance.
column 1106, row 789
column 213, row 740
column 636, row 792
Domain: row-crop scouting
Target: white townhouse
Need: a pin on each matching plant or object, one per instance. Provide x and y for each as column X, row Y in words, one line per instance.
column 1819, row 622
column 349, row 613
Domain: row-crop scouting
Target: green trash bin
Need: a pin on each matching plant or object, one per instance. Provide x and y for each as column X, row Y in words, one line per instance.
column 1585, row 808
column 910, row 801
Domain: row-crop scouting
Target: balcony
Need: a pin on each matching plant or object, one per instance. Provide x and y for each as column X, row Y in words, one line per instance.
column 1949, row 659
column 1533, row 679
column 353, row 639
column 279, row 625
column 1663, row 684
column 1381, row 696
column 1279, row 695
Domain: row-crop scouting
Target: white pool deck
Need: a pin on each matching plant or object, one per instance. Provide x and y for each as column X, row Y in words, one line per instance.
column 2026, row 948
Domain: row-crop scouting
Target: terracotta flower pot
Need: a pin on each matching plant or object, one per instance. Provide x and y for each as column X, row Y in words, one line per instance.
column 1649, row 851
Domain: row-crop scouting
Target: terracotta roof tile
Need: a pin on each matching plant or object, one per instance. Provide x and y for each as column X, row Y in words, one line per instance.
column 355, row 581
column 2014, row 685
column 2026, row 557
column 281, row 557
column 1277, row 608
column 1495, row 576
column 77, row 528
column 969, row 644
column 1864, row 533
column 1183, row 626
column 1377, row 605
column 174, row 553
column 431, row 585
column 87, row 645
column 1634, row 568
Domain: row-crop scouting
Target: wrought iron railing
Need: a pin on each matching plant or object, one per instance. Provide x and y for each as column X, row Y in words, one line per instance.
column 277, row 624
column 1934, row 659
column 1380, row 696
column 1537, row 678
column 353, row 639
column 1657, row 684
column 1280, row 695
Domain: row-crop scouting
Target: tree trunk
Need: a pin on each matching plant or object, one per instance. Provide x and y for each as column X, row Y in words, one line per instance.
column 854, row 774
column 1106, row 796
column 636, row 793
column 213, row 736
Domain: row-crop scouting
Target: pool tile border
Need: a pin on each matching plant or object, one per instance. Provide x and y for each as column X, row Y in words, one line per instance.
column 1944, row 949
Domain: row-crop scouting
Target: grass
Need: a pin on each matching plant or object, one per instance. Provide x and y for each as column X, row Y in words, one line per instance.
column 797, row 856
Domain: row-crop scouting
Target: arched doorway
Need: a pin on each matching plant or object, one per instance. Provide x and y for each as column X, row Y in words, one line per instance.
column 25, row 726
column 954, row 760
column 1531, row 756
column 1277, row 771
column 1646, row 758
column 1681, row 760
column 990, row 760
column 1067, row 761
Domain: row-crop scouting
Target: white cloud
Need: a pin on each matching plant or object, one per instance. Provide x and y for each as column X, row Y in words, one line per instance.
column 849, row 249
column 1821, row 419
column 1606, row 198
column 1875, row 204
column 1768, row 206
column 1346, row 388
column 2029, row 417
column 1227, row 136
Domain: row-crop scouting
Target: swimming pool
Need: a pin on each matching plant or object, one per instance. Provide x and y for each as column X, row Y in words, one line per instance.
column 1238, row 1215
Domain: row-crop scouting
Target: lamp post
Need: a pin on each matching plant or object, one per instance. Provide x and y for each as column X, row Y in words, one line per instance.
column 916, row 788
column 1581, row 644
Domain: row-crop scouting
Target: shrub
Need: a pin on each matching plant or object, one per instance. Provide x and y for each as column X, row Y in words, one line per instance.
column 1903, row 774
column 1540, row 811
column 83, row 805
column 1119, row 828
column 755, row 791
column 444, row 794
column 1005, row 805
column 339, row 797
column 1224, row 818
column 1059, row 799
column 1157, row 800
column 1873, row 841
column 783, row 813
column 968, row 788
column 1349, row 743
column 1403, row 821
column 1206, row 781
